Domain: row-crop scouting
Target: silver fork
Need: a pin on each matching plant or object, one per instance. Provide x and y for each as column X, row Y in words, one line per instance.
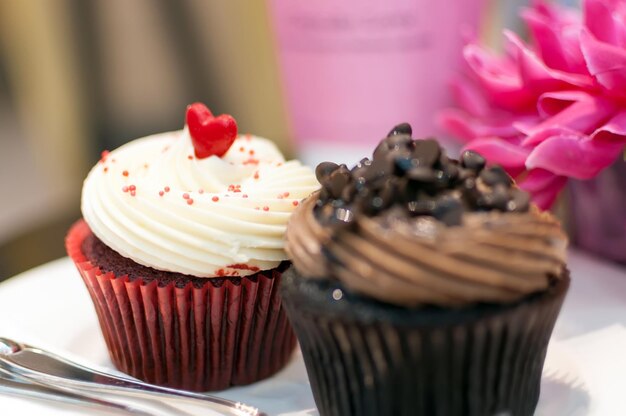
column 22, row 387
column 51, row 370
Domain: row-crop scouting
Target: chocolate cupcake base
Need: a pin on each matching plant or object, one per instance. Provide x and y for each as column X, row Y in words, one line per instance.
column 184, row 332
column 368, row 358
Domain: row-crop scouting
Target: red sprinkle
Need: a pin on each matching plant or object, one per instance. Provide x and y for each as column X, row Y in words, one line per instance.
column 166, row 189
column 161, row 193
column 215, row 199
column 125, row 173
column 285, row 194
column 222, row 273
column 266, row 208
column 189, row 201
column 103, row 156
column 186, row 195
column 243, row 266
column 295, row 203
column 133, row 193
column 132, row 187
column 124, row 188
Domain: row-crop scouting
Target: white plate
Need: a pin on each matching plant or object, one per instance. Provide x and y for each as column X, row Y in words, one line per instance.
column 49, row 307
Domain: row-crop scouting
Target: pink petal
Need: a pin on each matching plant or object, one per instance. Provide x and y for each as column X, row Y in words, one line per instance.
column 536, row 75
column 607, row 63
column 561, row 16
column 556, row 41
column 575, row 156
column 544, row 186
column 469, row 97
column 584, row 116
column 510, row 156
column 537, row 136
column 465, row 127
column 605, row 20
column 551, row 103
column 457, row 123
column 499, row 79
column 613, row 131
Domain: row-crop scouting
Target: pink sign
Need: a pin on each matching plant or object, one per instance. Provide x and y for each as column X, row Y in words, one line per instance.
column 353, row 69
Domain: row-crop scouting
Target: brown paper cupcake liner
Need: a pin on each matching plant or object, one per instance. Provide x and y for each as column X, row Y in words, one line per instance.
column 368, row 358
column 211, row 337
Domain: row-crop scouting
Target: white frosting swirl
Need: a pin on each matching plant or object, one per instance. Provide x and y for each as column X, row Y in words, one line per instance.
column 154, row 202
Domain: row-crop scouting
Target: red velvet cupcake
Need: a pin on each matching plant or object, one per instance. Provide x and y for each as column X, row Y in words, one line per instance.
column 181, row 249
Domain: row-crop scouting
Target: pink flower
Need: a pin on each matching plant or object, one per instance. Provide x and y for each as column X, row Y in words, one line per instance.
column 552, row 109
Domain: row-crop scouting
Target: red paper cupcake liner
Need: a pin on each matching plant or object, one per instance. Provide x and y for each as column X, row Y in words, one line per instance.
column 194, row 338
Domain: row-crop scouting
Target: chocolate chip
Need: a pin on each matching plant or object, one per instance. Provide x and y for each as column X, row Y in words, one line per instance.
column 349, row 192
column 427, row 152
column 414, row 177
column 380, row 167
column 403, row 164
column 358, row 171
column 500, row 197
column 402, row 128
column 520, row 201
column 381, row 150
column 421, row 174
column 388, row 193
column 472, row 160
column 465, row 174
column 344, row 215
column 324, row 170
column 399, row 141
column 324, row 195
column 495, row 175
column 451, row 172
column 337, row 181
column 470, row 192
column 421, row 207
column 449, row 210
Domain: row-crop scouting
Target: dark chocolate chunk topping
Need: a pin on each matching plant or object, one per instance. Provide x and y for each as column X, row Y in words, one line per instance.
column 403, row 128
column 426, row 152
column 472, row 160
column 495, row 175
column 414, row 178
column 324, row 170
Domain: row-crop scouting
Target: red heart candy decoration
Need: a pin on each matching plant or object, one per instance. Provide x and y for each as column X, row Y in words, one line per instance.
column 210, row 135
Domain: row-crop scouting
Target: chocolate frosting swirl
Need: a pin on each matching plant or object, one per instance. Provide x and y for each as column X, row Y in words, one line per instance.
column 466, row 254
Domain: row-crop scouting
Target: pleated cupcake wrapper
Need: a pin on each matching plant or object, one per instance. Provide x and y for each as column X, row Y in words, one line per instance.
column 488, row 364
column 194, row 338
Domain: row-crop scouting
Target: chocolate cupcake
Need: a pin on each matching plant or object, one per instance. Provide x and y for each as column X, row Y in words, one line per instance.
column 181, row 249
column 423, row 285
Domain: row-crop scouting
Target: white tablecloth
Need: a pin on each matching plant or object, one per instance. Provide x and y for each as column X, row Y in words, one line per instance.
column 585, row 372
